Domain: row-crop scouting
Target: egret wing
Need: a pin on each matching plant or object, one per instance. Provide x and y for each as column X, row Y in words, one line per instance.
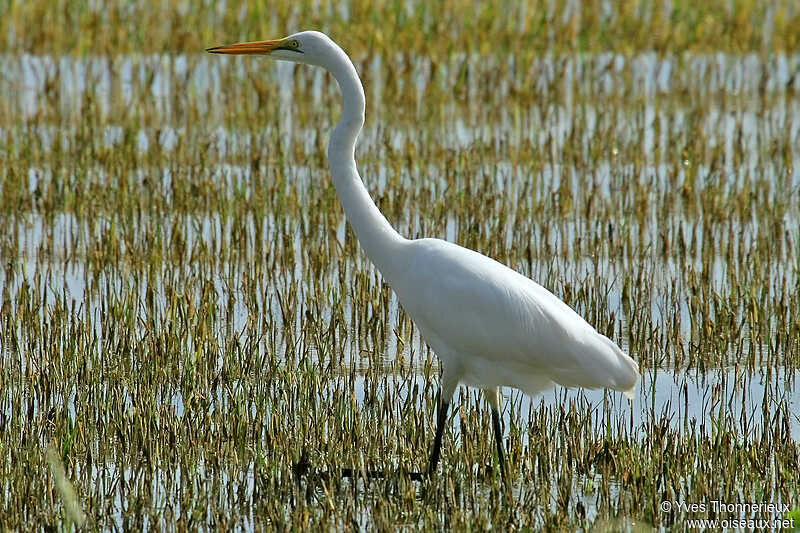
column 492, row 315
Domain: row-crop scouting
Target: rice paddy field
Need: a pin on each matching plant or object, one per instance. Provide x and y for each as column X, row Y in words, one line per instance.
column 192, row 339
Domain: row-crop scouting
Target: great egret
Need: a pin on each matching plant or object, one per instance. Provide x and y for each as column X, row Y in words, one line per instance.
column 489, row 325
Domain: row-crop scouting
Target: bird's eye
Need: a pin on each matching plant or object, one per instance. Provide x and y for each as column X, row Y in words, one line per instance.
column 295, row 44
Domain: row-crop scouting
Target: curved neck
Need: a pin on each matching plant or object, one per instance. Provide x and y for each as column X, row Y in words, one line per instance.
column 379, row 240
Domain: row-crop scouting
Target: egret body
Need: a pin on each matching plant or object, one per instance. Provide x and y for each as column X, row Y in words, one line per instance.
column 489, row 325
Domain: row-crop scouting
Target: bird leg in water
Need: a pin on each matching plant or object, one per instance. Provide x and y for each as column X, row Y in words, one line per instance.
column 493, row 397
column 437, row 442
column 498, row 439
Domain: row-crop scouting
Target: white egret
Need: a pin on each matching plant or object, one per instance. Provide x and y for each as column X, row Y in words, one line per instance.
column 489, row 325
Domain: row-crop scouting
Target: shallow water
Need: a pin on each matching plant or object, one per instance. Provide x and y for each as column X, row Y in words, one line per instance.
column 177, row 256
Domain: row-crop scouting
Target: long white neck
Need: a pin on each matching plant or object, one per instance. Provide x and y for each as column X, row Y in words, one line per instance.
column 378, row 238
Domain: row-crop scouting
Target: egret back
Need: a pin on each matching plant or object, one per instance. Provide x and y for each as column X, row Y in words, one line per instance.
column 495, row 327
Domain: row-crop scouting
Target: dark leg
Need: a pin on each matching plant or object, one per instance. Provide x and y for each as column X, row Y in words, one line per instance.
column 498, row 440
column 437, row 442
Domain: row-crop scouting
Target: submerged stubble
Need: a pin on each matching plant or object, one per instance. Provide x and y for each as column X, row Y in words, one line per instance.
column 185, row 314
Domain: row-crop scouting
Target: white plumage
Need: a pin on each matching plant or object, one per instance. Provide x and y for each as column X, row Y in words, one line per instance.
column 489, row 325
column 492, row 326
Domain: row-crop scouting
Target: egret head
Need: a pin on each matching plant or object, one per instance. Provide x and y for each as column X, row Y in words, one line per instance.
column 311, row 47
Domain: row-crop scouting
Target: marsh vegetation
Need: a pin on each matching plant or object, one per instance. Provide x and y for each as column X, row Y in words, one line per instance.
column 187, row 323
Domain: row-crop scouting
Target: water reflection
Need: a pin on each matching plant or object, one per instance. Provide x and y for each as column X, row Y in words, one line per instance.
column 32, row 81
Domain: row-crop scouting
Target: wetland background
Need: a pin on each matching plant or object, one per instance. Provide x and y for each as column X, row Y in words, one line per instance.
column 185, row 317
